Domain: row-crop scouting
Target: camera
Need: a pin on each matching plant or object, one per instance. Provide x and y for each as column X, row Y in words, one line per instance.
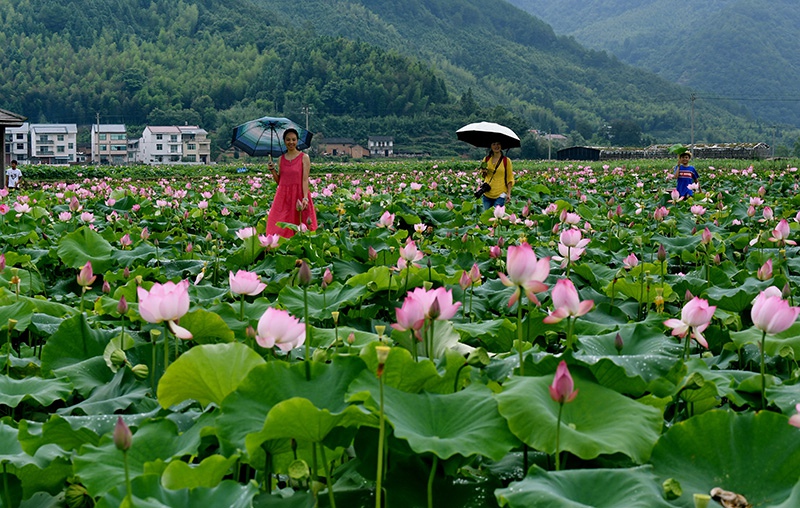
column 483, row 189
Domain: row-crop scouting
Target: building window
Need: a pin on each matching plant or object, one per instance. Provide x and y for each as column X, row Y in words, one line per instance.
column 103, row 148
column 190, row 158
column 159, row 146
column 118, row 137
column 20, row 146
column 19, row 136
column 101, row 136
column 173, row 138
column 44, row 138
column 60, row 137
column 60, row 149
column 70, row 145
column 159, row 136
column 191, row 146
column 173, row 149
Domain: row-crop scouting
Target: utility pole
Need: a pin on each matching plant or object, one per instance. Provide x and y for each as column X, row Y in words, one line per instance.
column 97, row 133
column 306, row 111
column 692, row 139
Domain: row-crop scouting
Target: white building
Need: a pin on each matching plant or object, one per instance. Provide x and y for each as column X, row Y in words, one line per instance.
column 381, row 146
column 186, row 144
column 109, row 144
column 18, row 143
column 53, row 143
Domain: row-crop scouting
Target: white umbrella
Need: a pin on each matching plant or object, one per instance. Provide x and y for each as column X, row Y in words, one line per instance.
column 483, row 134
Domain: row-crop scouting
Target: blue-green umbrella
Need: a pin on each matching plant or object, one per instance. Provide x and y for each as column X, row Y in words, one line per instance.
column 264, row 136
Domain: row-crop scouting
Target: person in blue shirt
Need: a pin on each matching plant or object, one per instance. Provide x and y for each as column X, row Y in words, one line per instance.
column 685, row 174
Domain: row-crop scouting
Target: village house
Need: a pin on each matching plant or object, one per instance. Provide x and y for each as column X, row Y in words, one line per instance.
column 381, row 146
column 109, row 144
column 342, row 146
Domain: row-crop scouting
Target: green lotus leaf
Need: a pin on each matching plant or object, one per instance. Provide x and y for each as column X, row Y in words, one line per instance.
column 74, row 341
column 736, row 299
column 21, row 311
column 84, row 244
column 206, row 326
column 208, row 473
column 123, row 391
column 101, row 468
column 43, row 391
column 754, row 454
column 245, row 410
column 646, row 355
column 320, row 304
column 598, row 421
column 773, row 343
column 148, row 492
column 56, row 430
column 474, row 427
column 298, row 418
column 139, row 255
column 598, row 488
column 207, row 373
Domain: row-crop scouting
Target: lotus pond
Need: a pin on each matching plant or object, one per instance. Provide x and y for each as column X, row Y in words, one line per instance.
column 597, row 342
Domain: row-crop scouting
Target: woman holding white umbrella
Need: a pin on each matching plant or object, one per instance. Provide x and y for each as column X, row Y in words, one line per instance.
column 497, row 172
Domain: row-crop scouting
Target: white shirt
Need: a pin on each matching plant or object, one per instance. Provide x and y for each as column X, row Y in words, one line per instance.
column 13, row 177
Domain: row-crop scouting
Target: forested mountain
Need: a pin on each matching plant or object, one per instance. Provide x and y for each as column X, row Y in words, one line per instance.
column 416, row 69
column 744, row 49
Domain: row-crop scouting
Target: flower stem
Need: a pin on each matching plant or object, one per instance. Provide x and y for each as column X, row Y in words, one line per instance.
column 328, row 476
column 381, row 439
column 166, row 346
column 308, row 333
column 558, row 437
column 430, row 480
column 127, row 479
column 241, row 309
column 519, row 337
column 763, row 377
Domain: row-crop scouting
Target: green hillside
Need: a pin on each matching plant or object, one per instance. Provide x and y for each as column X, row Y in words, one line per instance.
column 416, row 70
column 742, row 49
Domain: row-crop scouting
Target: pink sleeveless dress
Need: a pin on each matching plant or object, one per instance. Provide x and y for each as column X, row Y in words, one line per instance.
column 284, row 206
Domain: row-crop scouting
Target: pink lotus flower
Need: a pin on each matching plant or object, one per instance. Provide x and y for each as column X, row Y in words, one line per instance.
column 21, row 207
column 145, row 234
column 695, row 317
column 279, row 328
column 246, row 233
column 4, row 208
column 166, row 302
column 123, row 438
column 781, row 233
column 697, row 210
column 562, row 390
column 386, row 220
column 765, row 271
column 409, row 254
column 245, row 283
column 661, row 213
column 772, row 314
column 86, row 276
column 125, row 241
column 465, row 280
column 421, row 304
column 269, row 242
column 495, row 252
column 64, row 216
column 567, row 303
column 795, row 418
column 767, row 213
column 706, row 236
column 572, row 238
column 631, row 261
column 525, row 272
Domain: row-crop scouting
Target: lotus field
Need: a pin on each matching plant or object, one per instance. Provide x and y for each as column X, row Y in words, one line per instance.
column 597, row 342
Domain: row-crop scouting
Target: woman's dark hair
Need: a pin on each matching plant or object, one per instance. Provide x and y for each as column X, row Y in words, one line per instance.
column 287, row 131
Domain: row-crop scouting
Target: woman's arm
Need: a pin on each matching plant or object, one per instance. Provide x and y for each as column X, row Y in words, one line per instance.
column 275, row 176
column 306, row 173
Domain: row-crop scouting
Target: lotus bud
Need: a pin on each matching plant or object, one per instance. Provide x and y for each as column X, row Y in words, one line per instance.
column 2, row 262
column 327, row 277
column 672, row 489
column 786, row 292
column 123, row 439
column 351, row 339
column 126, row 272
column 122, row 306
column 76, row 496
column 618, row 343
column 140, row 371
column 464, row 238
column 661, row 253
column 106, row 287
column 304, row 274
column 250, row 332
column 373, row 254
column 118, row 358
column 688, row 296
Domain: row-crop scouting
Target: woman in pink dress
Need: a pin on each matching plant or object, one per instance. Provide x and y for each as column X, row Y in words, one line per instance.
column 292, row 203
